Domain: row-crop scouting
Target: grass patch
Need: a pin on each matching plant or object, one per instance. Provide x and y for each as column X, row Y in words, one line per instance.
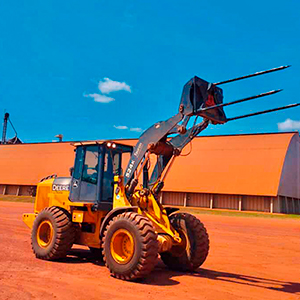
column 201, row 211
column 10, row 198
column 192, row 210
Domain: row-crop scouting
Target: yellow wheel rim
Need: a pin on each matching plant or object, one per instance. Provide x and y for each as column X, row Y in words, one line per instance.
column 44, row 233
column 122, row 246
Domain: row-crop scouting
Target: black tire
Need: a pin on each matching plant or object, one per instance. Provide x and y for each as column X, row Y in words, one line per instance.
column 190, row 255
column 56, row 244
column 144, row 250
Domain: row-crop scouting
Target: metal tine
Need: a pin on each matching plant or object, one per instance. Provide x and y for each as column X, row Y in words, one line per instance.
column 252, row 75
column 242, row 100
column 263, row 112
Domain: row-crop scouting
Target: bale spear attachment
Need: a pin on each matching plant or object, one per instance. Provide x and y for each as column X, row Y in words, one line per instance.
column 207, row 98
column 199, row 99
column 253, row 75
column 242, row 100
column 263, row 112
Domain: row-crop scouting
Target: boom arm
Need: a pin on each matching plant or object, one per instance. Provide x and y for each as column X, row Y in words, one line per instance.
column 197, row 93
column 199, row 98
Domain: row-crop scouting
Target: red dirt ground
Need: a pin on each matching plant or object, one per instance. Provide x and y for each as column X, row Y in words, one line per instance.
column 250, row 258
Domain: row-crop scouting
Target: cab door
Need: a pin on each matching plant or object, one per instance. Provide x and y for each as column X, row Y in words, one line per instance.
column 85, row 178
column 90, row 174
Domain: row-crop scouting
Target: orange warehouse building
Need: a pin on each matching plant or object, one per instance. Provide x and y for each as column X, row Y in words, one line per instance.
column 257, row 172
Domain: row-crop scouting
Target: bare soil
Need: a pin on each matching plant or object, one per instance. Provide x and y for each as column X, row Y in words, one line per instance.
column 250, row 258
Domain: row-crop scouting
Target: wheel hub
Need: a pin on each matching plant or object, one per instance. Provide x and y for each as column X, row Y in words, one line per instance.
column 122, row 246
column 44, row 234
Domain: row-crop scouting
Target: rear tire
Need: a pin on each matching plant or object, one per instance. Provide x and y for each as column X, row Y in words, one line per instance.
column 130, row 246
column 194, row 249
column 53, row 234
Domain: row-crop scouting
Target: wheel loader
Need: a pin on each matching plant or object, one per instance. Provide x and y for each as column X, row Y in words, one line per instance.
column 116, row 212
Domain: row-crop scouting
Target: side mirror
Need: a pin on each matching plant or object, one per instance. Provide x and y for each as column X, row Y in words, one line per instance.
column 71, row 171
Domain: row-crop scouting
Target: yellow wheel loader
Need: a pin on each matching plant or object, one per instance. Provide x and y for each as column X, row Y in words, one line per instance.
column 105, row 207
column 92, row 208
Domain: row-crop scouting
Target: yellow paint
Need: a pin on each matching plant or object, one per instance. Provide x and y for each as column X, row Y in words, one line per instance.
column 147, row 206
column 156, row 213
column 122, row 246
column 28, row 219
column 77, row 216
column 165, row 242
column 42, row 199
column 120, row 199
column 90, row 239
column 46, row 197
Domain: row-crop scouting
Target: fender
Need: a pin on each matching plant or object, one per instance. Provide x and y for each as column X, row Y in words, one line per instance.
column 112, row 214
column 170, row 210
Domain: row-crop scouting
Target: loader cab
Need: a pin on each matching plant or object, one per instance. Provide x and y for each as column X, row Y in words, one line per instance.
column 94, row 170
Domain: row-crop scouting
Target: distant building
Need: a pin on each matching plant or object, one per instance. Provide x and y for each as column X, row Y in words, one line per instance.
column 254, row 172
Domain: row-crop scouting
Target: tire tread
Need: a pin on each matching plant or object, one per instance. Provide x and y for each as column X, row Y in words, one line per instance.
column 197, row 254
column 64, row 234
column 149, row 253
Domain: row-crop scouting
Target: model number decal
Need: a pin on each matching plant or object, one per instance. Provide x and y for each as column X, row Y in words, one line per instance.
column 138, row 150
column 129, row 170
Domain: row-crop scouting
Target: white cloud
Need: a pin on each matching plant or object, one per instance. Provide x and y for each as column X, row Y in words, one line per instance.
column 136, row 129
column 107, row 86
column 289, row 124
column 100, row 98
column 121, row 127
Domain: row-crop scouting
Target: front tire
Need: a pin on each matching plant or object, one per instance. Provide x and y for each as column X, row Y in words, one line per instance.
column 130, row 246
column 53, row 234
column 192, row 252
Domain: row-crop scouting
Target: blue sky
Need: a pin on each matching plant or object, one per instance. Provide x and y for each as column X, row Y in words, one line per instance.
column 55, row 55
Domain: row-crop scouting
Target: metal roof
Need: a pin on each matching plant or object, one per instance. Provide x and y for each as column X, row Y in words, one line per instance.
column 243, row 165
column 239, row 164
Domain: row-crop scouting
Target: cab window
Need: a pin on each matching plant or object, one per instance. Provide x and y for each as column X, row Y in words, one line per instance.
column 90, row 168
column 78, row 163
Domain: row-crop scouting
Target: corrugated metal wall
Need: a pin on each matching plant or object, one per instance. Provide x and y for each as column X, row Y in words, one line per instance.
column 226, row 201
column 276, row 206
column 11, row 190
column 235, row 202
column 17, row 190
column 27, row 190
column 256, row 203
column 198, row 200
column 173, row 198
column 279, row 204
column 289, row 205
column 297, row 205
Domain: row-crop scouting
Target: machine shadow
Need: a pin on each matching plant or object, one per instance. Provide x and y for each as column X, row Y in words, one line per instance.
column 162, row 276
column 81, row 256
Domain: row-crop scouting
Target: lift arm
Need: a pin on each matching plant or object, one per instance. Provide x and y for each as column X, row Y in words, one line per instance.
column 197, row 93
column 199, row 98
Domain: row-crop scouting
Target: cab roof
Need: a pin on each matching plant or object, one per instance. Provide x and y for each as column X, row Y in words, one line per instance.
column 100, row 142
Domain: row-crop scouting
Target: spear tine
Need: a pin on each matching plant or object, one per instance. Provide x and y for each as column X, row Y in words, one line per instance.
column 242, row 100
column 263, row 112
column 252, row 75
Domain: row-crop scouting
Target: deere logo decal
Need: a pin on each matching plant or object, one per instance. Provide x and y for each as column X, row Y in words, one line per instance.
column 60, row 187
